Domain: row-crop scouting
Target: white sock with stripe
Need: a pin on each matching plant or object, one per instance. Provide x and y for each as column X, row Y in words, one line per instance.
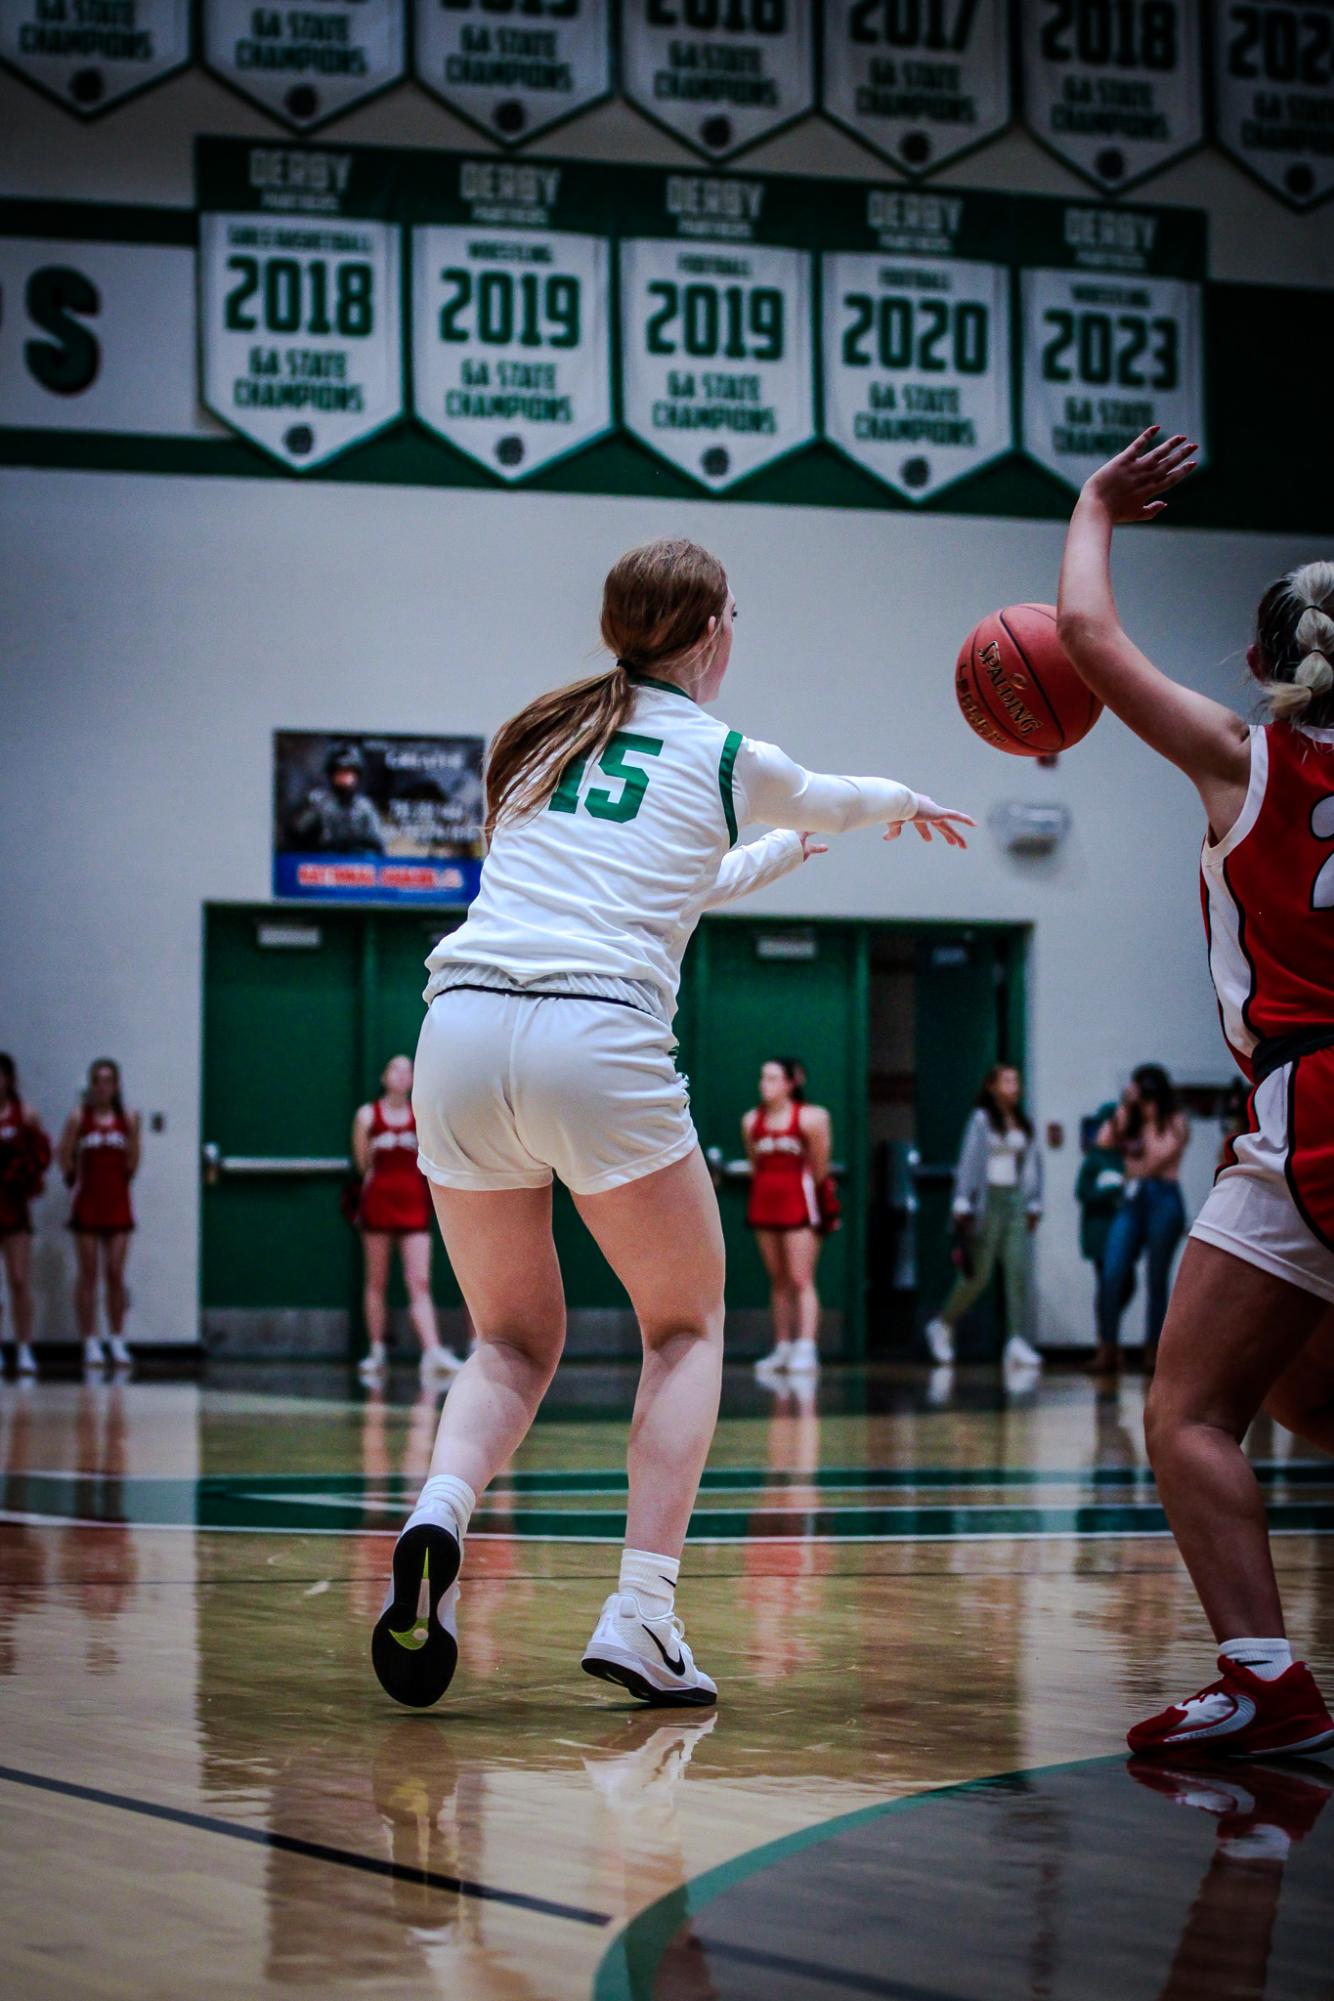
column 446, row 1500
column 651, row 1580
column 1266, row 1658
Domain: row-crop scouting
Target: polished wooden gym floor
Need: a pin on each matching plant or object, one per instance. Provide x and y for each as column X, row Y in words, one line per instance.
column 932, row 1605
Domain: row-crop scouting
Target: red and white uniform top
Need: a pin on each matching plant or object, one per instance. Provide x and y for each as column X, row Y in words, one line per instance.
column 102, row 1172
column 394, row 1196
column 1268, row 894
column 782, row 1187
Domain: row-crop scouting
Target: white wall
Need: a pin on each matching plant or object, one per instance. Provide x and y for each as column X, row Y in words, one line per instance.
column 153, row 632
column 158, row 631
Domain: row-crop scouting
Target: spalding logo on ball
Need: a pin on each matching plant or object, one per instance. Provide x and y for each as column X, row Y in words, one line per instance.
column 1017, row 686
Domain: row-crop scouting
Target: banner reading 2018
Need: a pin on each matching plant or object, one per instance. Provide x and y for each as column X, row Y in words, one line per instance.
column 1113, row 340
column 1113, row 86
column 717, row 355
column 511, row 338
column 299, row 282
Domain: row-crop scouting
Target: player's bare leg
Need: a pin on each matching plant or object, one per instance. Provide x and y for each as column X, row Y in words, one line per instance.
column 1303, row 1397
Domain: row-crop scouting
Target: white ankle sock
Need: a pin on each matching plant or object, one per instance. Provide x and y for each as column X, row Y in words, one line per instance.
column 1266, row 1658
column 446, row 1494
column 651, row 1579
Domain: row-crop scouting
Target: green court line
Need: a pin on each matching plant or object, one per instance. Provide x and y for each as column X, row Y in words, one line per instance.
column 631, row 1961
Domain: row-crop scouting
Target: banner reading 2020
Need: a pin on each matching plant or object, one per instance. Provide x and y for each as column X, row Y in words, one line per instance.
column 920, row 81
column 514, row 70
column 299, row 282
column 91, row 57
column 1114, row 87
column 720, row 74
column 917, row 384
column 1112, row 333
column 511, row 336
column 1274, row 93
column 306, row 64
column 716, row 342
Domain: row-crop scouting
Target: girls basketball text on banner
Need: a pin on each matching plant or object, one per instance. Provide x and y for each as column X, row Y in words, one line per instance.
column 1274, row 93
column 920, row 81
column 305, row 64
column 720, row 74
column 1113, row 86
column 511, row 340
column 716, row 342
column 1112, row 338
column 916, row 334
column 514, row 68
column 299, row 279
column 90, row 58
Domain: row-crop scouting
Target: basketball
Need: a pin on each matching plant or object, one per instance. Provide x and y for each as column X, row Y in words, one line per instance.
column 1016, row 686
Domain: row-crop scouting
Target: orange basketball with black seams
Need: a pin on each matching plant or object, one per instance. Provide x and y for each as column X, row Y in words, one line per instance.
column 1017, row 687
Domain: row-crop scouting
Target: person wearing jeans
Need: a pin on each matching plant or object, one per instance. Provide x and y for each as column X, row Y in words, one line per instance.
column 997, row 1205
column 1150, row 1131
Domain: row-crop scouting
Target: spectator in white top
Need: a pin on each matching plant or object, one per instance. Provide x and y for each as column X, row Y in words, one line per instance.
column 997, row 1205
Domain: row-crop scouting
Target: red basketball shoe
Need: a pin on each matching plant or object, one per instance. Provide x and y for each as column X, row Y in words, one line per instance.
column 1241, row 1716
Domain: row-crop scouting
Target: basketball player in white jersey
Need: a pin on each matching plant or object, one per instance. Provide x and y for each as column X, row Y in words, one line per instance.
column 613, row 808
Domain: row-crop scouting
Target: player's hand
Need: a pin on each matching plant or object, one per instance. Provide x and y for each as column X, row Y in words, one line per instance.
column 1130, row 484
column 947, row 821
column 810, row 846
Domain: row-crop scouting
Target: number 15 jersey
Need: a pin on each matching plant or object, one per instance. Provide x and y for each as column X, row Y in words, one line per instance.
column 613, row 872
column 1268, row 894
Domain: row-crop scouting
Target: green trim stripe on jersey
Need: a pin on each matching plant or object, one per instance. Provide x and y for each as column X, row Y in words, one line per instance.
column 667, row 687
column 726, row 766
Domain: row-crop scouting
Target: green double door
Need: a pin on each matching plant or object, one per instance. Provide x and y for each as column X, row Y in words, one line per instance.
column 302, row 1010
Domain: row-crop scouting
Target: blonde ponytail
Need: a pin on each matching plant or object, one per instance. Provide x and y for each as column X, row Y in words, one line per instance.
column 1295, row 635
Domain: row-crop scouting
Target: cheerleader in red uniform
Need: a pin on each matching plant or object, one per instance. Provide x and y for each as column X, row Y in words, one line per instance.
column 25, row 1153
column 99, row 1157
column 395, row 1208
column 788, row 1143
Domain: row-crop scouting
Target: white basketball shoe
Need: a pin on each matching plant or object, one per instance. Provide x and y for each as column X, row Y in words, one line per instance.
column 648, row 1656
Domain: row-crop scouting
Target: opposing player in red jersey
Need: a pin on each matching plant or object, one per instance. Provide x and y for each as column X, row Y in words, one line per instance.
column 25, row 1152
column 395, row 1208
column 788, row 1143
column 1251, row 1320
column 99, row 1157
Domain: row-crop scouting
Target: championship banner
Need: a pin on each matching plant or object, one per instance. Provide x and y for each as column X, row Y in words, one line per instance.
column 308, row 63
column 1112, row 333
column 511, row 332
column 91, row 56
column 74, row 311
column 919, row 81
column 299, row 287
column 1113, row 87
column 717, row 354
column 719, row 74
column 514, row 68
column 377, row 819
column 916, row 317
column 1274, row 93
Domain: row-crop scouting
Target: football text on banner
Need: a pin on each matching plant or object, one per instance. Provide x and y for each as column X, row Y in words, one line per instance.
column 1274, row 93
column 1112, row 333
column 513, row 69
column 299, row 298
column 73, row 352
column 305, row 65
column 717, row 352
column 720, row 74
column 91, row 58
column 511, row 338
column 921, row 83
column 917, row 382
column 1114, row 90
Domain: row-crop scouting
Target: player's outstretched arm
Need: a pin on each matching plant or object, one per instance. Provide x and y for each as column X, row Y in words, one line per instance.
column 1202, row 737
column 744, row 870
column 772, row 787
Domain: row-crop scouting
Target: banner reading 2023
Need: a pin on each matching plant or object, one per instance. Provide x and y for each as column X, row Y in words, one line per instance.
column 299, row 283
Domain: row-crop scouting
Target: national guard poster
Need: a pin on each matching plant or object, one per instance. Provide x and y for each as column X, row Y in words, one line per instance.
column 377, row 819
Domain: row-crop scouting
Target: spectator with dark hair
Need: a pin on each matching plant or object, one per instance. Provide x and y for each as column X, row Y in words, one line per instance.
column 997, row 1205
column 25, row 1155
column 1149, row 1130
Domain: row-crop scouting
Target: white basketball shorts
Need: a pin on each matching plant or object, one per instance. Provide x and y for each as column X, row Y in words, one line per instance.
column 1272, row 1207
column 510, row 1089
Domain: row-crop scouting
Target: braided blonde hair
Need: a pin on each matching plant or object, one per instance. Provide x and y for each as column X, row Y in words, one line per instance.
column 1295, row 635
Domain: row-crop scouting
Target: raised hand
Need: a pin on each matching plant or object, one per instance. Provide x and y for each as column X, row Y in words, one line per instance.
column 812, row 845
column 947, row 820
column 1130, row 485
